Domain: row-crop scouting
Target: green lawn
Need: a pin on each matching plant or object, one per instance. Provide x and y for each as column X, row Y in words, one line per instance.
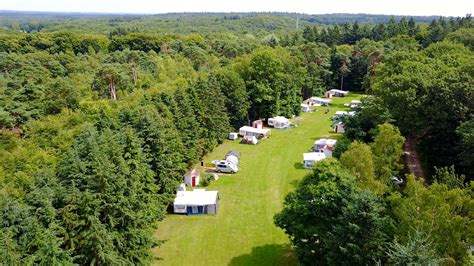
column 243, row 233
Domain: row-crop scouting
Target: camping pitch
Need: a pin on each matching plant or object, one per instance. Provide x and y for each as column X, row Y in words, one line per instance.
column 198, row 201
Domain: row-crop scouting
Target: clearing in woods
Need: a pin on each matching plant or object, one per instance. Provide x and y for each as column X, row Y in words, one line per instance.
column 243, row 232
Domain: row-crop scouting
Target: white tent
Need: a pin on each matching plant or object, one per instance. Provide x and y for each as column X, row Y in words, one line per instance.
column 312, row 157
column 232, row 159
column 198, row 201
column 251, row 131
column 249, row 140
column 279, row 122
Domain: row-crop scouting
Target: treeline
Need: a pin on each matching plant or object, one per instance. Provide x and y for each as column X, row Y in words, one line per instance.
column 242, row 23
column 347, row 33
column 428, row 95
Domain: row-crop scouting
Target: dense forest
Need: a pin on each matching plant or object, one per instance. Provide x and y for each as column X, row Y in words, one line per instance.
column 183, row 23
column 101, row 116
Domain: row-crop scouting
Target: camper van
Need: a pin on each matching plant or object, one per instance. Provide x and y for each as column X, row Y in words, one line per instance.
column 226, row 167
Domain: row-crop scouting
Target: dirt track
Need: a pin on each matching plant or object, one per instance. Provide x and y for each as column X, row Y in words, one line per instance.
column 412, row 161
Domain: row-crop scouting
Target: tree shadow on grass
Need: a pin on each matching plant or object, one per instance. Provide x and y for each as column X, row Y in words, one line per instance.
column 295, row 183
column 267, row 255
column 298, row 165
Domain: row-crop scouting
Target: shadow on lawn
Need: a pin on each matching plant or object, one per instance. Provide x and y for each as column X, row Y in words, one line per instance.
column 295, row 183
column 267, row 255
column 298, row 165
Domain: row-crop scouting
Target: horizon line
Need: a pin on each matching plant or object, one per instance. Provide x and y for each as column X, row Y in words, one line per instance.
column 214, row 12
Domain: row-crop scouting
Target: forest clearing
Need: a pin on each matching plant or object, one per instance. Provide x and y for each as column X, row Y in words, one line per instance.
column 243, row 232
column 103, row 116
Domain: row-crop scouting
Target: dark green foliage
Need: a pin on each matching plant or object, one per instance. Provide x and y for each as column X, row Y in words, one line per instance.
column 464, row 36
column 363, row 126
column 417, row 250
column 31, row 232
column 112, row 79
column 442, row 213
column 188, row 127
column 341, row 146
column 236, row 96
column 447, row 175
column 316, row 60
column 429, row 94
column 110, row 198
column 330, row 221
column 209, row 104
column 273, row 79
column 161, row 144
column 466, row 146
column 206, row 180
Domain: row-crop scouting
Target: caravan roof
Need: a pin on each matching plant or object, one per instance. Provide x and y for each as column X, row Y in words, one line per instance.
column 255, row 130
column 314, row 156
column 197, row 197
column 281, row 119
column 338, row 91
column 319, row 99
column 322, row 142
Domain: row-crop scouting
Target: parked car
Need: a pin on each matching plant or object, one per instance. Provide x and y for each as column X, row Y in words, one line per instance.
column 226, row 167
column 397, row 180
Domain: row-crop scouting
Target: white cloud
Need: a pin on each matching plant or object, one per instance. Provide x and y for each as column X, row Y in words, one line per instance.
column 395, row 7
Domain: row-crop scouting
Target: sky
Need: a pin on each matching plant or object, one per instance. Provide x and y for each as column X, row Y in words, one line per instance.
column 389, row 7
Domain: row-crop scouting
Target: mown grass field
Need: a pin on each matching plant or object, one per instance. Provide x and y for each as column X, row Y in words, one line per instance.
column 243, row 232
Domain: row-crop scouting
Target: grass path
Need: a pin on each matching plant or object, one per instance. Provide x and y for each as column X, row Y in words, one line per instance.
column 243, row 233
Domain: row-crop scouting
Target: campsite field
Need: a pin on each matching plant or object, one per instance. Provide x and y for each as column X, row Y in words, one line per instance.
column 243, row 232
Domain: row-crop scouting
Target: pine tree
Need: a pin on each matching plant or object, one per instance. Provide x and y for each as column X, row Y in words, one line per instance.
column 110, row 199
